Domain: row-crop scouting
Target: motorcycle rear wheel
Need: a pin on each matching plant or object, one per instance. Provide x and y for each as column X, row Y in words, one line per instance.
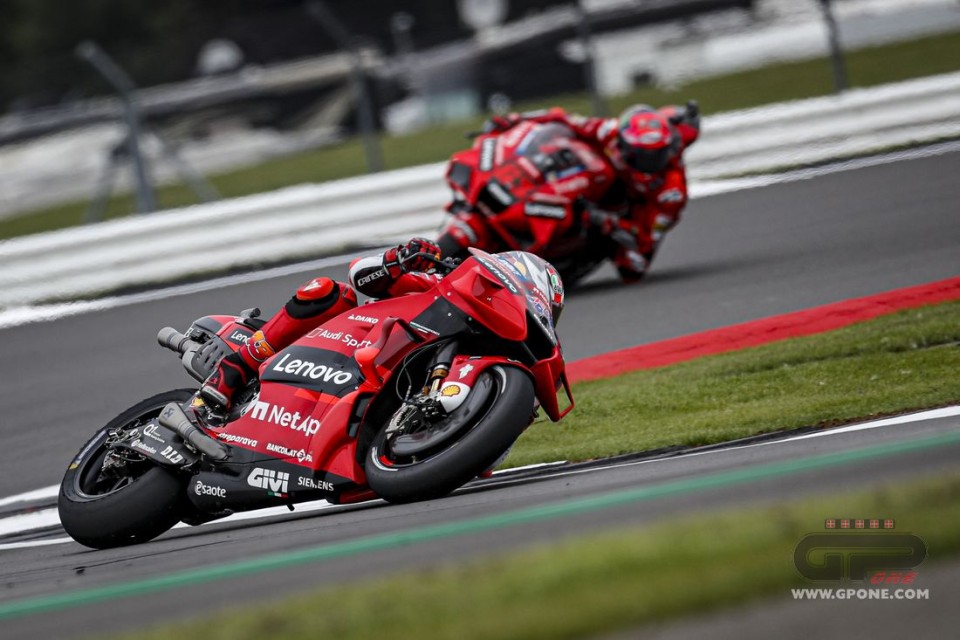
column 103, row 506
column 501, row 416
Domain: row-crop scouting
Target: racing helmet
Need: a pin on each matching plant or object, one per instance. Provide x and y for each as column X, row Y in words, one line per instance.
column 645, row 139
column 556, row 290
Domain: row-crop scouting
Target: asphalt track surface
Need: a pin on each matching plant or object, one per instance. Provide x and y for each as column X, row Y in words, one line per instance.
column 735, row 257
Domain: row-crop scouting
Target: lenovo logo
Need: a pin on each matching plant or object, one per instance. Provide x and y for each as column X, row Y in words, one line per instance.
column 311, row 370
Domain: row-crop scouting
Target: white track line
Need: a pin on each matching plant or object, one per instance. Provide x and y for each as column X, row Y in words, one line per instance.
column 932, row 414
column 29, row 496
column 49, row 517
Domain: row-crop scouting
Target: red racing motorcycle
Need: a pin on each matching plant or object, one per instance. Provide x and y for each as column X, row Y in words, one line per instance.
column 403, row 399
column 527, row 189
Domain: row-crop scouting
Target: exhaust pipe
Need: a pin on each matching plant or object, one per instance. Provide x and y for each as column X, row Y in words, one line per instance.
column 173, row 417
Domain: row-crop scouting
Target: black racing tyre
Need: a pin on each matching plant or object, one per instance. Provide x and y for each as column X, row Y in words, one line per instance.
column 494, row 415
column 126, row 503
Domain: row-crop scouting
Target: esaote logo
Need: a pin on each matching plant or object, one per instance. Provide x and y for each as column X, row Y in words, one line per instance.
column 275, row 482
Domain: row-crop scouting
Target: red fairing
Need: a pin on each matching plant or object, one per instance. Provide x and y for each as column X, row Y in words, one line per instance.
column 310, row 423
column 545, row 374
column 233, row 332
column 314, row 394
column 492, row 298
column 495, row 298
column 535, row 183
column 521, row 185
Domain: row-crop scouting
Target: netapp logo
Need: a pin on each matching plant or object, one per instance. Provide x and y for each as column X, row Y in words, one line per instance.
column 275, row 482
column 278, row 415
column 312, row 370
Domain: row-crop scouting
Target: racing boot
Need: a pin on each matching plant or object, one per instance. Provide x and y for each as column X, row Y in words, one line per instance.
column 313, row 304
column 233, row 372
column 631, row 264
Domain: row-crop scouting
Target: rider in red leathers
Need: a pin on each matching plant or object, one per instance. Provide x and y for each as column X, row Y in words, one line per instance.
column 645, row 147
column 398, row 271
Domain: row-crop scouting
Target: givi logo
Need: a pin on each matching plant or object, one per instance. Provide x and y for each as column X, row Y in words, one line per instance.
column 275, row 482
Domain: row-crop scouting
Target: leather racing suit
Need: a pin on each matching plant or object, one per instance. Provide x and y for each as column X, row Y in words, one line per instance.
column 645, row 205
column 396, row 272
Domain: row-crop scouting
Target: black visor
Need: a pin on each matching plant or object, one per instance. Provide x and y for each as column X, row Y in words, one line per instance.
column 645, row 160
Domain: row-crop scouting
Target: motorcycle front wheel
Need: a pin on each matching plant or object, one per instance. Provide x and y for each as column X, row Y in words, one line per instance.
column 108, row 500
column 466, row 443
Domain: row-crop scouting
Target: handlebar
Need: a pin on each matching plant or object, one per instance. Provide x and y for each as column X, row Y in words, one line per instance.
column 443, row 266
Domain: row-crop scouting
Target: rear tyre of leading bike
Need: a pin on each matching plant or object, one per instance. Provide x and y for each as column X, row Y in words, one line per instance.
column 109, row 499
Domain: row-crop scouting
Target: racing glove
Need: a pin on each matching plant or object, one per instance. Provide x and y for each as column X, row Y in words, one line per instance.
column 608, row 223
column 415, row 255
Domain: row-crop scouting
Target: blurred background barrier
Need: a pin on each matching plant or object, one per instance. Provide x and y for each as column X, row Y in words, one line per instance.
column 322, row 219
column 818, row 129
column 162, row 103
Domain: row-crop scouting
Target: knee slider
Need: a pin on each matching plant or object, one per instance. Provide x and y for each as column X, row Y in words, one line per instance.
column 317, row 297
column 316, row 289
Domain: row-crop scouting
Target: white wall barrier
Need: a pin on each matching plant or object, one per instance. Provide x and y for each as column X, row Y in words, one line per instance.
column 315, row 219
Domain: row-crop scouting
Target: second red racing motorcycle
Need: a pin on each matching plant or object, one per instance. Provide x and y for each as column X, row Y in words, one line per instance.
column 529, row 188
column 403, row 399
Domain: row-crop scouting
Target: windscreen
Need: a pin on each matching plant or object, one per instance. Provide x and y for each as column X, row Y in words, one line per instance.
column 536, row 285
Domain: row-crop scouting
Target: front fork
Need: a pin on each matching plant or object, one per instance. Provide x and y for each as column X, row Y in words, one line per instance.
column 441, row 367
column 424, row 409
column 427, row 402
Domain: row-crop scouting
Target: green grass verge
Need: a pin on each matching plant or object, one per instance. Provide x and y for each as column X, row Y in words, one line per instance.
column 894, row 363
column 594, row 584
column 866, row 67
